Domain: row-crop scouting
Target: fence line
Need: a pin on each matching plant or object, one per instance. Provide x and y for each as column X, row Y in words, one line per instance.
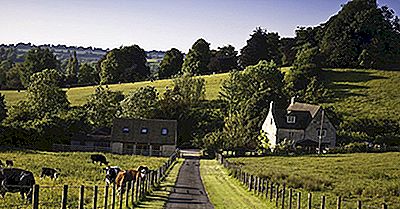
column 277, row 192
column 81, row 196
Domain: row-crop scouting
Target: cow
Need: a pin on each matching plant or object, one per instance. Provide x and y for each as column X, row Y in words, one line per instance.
column 9, row 163
column 129, row 175
column 49, row 172
column 111, row 173
column 17, row 180
column 99, row 158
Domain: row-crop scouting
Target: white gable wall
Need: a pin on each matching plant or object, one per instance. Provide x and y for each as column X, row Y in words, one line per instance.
column 269, row 127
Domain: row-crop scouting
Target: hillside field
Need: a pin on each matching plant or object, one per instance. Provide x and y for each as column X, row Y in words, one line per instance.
column 370, row 177
column 76, row 169
column 356, row 92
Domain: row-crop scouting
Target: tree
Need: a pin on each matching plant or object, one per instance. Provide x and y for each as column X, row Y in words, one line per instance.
column 224, row 60
column 141, row 103
column 288, row 49
column 72, row 69
column 103, row 106
column 37, row 60
column 260, row 46
column 171, row 63
column 87, row 74
column 197, row 59
column 126, row 64
column 247, row 95
column 3, row 108
column 13, row 78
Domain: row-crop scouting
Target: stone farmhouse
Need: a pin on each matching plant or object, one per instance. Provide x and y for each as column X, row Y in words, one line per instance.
column 129, row 136
column 301, row 123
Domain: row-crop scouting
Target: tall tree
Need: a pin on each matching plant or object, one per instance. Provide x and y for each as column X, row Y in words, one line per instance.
column 37, row 60
column 126, row 64
column 261, row 46
column 196, row 61
column 3, row 108
column 72, row 69
column 171, row 63
column 103, row 106
column 88, row 74
column 224, row 59
column 141, row 103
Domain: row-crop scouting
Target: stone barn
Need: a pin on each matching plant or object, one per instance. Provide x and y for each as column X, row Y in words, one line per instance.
column 144, row 136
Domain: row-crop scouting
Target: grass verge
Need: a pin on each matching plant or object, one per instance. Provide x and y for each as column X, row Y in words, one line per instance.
column 225, row 192
column 158, row 198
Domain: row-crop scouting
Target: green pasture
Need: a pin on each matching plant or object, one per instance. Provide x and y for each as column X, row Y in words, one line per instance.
column 355, row 92
column 373, row 178
column 76, row 169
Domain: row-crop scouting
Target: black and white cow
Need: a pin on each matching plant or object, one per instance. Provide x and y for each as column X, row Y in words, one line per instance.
column 49, row 172
column 9, row 163
column 111, row 174
column 17, row 180
column 99, row 158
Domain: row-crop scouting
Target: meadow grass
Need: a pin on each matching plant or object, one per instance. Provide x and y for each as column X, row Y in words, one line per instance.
column 373, row 178
column 225, row 192
column 76, row 169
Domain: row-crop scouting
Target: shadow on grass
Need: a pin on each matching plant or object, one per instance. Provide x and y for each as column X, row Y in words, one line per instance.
column 353, row 76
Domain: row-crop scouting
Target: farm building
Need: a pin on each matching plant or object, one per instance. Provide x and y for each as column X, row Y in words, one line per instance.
column 301, row 123
column 129, row 136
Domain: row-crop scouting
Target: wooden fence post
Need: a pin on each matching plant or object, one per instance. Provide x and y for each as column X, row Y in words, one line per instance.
column 339, row 202
column 309, row 200
column 322, row 202
column 106, row 197
column 114, row 194
column 384, row 206
column 266, row 189
column 132, row 193
column 137, row 189
column 359, row 205
column 35, row 197
column 283, row 196
column 121, row 196
column 271, row 191
column 95, row 194
column 250, row 182
column 64, row 197
column 290, row 198
column 277, row 195
column 299, row 200
column 81, row 197
column 128, row 186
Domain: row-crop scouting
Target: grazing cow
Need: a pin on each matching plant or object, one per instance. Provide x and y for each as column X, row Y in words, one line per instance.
column 99, row 158
column 49, row 172
column 9, row 163
column 129, row 175
column 111, row 173
column 17, row 180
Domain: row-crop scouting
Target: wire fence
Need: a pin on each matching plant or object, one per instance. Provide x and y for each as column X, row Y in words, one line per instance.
column 89, row 196
column 290, row 198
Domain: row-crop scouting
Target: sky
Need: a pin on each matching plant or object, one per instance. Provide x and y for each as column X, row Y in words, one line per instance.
column 158, row 24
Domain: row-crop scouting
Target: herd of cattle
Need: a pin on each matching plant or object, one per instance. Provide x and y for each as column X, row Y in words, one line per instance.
column 18, row 180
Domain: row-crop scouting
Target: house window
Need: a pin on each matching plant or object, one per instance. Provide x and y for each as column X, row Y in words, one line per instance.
column 271, row 121
column 291, row 119
column 164, row 131
column 125, row 130
column 323, row 132
column 144, row 131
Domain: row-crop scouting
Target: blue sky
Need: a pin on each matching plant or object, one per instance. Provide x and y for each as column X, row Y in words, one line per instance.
column 158, row 24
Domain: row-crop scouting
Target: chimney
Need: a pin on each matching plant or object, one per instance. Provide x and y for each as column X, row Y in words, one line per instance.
column 271, row 104
column 292, row 100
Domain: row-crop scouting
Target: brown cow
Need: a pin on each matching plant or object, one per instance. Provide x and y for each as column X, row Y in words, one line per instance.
column 124, row 177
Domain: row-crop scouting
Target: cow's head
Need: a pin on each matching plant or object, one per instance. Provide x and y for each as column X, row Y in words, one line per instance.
column 111, row 173
column 143, row 170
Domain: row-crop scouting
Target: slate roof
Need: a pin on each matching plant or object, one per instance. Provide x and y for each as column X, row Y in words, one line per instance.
column 304, row 114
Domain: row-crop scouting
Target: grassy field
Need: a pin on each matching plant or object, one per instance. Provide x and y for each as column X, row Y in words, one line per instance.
column 226, row 192
column 76, row 169
column 357, row 93
column 372, row 178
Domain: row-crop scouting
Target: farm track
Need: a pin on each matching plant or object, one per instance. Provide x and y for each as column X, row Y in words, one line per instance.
column 189, row 192
column 226, row 192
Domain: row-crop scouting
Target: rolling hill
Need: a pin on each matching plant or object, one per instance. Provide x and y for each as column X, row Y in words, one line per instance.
column 356, row 92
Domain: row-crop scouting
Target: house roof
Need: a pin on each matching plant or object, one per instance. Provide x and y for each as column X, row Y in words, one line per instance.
column 304, row 114
column 312, row 109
